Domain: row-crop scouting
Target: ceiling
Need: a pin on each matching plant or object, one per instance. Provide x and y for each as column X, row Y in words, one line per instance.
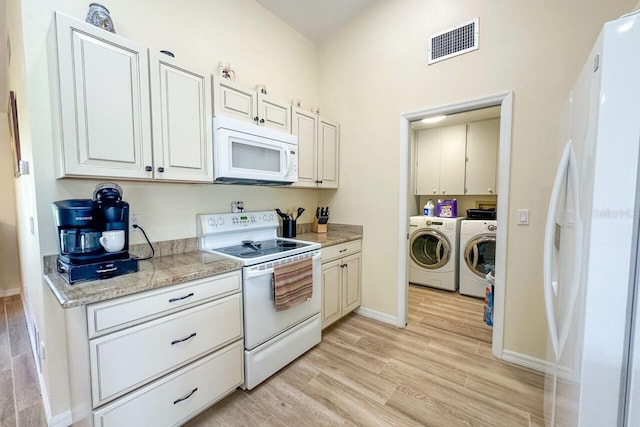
column 315, row 19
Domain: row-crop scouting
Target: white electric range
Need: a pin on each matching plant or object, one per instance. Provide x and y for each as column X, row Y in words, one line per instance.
column 272, row 339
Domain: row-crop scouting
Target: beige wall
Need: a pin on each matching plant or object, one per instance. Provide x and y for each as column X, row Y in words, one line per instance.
column 9, row 264
column 376, row 69
column 260, row 48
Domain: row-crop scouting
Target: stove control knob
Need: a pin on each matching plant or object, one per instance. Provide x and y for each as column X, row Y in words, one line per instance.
column 271, row 217
column 265, row 217
column 211, row 222
column 220, row 221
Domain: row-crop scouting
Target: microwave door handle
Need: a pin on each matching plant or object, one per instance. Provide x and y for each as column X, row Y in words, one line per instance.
column 286, row 169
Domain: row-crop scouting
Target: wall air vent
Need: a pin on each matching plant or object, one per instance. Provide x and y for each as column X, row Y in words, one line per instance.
column 453, row 41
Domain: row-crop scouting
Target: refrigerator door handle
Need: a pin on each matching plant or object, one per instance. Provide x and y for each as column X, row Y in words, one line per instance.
column 549, row 234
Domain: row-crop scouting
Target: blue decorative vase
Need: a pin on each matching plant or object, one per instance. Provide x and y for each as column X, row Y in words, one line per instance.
column 98, row 15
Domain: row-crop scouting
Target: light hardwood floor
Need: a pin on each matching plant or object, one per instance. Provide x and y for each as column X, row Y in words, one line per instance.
column 438, row 371
column 20, row 401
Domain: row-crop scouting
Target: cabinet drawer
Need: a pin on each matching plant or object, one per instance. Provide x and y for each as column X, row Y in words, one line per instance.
column 338, row 251
column 116, row 314
column 159, row 404
column 127, row 359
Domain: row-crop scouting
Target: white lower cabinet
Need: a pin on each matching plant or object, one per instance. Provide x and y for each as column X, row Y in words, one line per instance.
column 341, row 280
column 163, row 356
column 176, row 398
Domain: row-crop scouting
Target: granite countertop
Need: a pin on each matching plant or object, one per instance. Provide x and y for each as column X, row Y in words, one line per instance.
column 336, row 234
column 154, row 273
column 175, row 262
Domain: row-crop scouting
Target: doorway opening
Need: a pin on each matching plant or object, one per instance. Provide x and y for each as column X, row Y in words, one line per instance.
column 408, row 203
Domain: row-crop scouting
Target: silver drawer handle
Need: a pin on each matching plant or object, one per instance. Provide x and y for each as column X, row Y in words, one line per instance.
column 183, row 339
column 181, row 298
column 106, row 270
column 186, row 397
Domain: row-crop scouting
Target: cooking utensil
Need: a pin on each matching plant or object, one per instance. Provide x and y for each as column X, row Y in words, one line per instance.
column 282, row 214
column 300, row 211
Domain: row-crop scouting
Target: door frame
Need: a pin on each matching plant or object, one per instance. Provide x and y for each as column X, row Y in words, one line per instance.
column 505, row 101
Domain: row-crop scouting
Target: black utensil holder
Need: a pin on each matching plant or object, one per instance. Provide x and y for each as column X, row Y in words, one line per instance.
column 288, row 228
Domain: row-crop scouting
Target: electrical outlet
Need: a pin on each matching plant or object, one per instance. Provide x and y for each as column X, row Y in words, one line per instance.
column 134, row 219
column 42, row 352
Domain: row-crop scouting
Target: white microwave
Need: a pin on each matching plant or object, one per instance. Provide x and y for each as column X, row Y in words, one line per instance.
column 245, row 153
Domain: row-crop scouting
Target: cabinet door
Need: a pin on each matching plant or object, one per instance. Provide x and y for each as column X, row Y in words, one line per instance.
column 181, row 118
column 452, row 159
column 274, row 114
column 428, row 162
column 234, row 100
column 482, row 156
column 351, row 283
column 104, row 99
column 328, row 153
column 331, row 295
column 303, row 124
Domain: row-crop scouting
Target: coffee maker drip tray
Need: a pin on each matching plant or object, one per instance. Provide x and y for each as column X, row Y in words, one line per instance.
column 99, row 270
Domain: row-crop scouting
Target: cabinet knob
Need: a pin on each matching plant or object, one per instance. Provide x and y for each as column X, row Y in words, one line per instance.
column 489, row 190
column 434, row 191
column 261, row 120
column 148, row 169
column 443, row 191
column 160, row 169
column 255, row 119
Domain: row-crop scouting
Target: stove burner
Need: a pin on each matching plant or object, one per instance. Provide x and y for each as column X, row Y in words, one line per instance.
column 286, row 244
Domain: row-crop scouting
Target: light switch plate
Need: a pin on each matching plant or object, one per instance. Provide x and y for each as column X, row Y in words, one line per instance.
column 523, row 217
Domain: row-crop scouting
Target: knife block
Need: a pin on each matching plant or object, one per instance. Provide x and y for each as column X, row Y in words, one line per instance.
column 318, row 228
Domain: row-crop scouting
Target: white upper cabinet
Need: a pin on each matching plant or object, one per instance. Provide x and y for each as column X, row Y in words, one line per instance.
column 104, row 99
column 112, row 94
column 457, row 160
column 328, row 153
column 318, row 149
column 482, row 156
column 440, row 161
column 181, row 118
column 234, row 100
column 304, row 124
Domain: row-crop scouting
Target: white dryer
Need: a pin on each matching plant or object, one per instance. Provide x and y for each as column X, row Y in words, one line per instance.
column 477, row 255
column 433, row 251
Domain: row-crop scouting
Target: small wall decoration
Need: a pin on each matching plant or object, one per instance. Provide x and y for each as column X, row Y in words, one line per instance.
column 14, row 135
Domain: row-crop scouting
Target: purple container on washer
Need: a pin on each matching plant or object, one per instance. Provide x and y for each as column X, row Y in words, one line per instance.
column 447, row 208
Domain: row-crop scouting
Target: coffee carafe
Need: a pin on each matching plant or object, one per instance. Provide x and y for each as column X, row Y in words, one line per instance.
column 79, row 231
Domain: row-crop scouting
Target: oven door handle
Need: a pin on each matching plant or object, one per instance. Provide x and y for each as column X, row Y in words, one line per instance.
column 258, row 273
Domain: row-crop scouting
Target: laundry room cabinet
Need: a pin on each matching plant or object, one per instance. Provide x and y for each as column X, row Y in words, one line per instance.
column 318, row 149
column 234, row 100
column 483, row 138
column 113, row 93
column 458, row 160
column 341, row 280
column 440, row 163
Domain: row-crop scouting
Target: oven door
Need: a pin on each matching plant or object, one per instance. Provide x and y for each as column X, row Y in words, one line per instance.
column 240, row 156
column 261, row 320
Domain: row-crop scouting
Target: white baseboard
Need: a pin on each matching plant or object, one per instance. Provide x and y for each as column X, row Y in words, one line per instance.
column 376, row 315
column 9, row 292
column 527, row 361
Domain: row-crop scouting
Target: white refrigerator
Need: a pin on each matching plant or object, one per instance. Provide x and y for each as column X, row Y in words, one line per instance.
column 591, row 243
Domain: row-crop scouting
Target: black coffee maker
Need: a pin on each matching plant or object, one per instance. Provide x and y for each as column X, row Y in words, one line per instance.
column 81, row 223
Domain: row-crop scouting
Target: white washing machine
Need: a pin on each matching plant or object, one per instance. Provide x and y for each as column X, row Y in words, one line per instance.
column 433, row 251
column 477, row 255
